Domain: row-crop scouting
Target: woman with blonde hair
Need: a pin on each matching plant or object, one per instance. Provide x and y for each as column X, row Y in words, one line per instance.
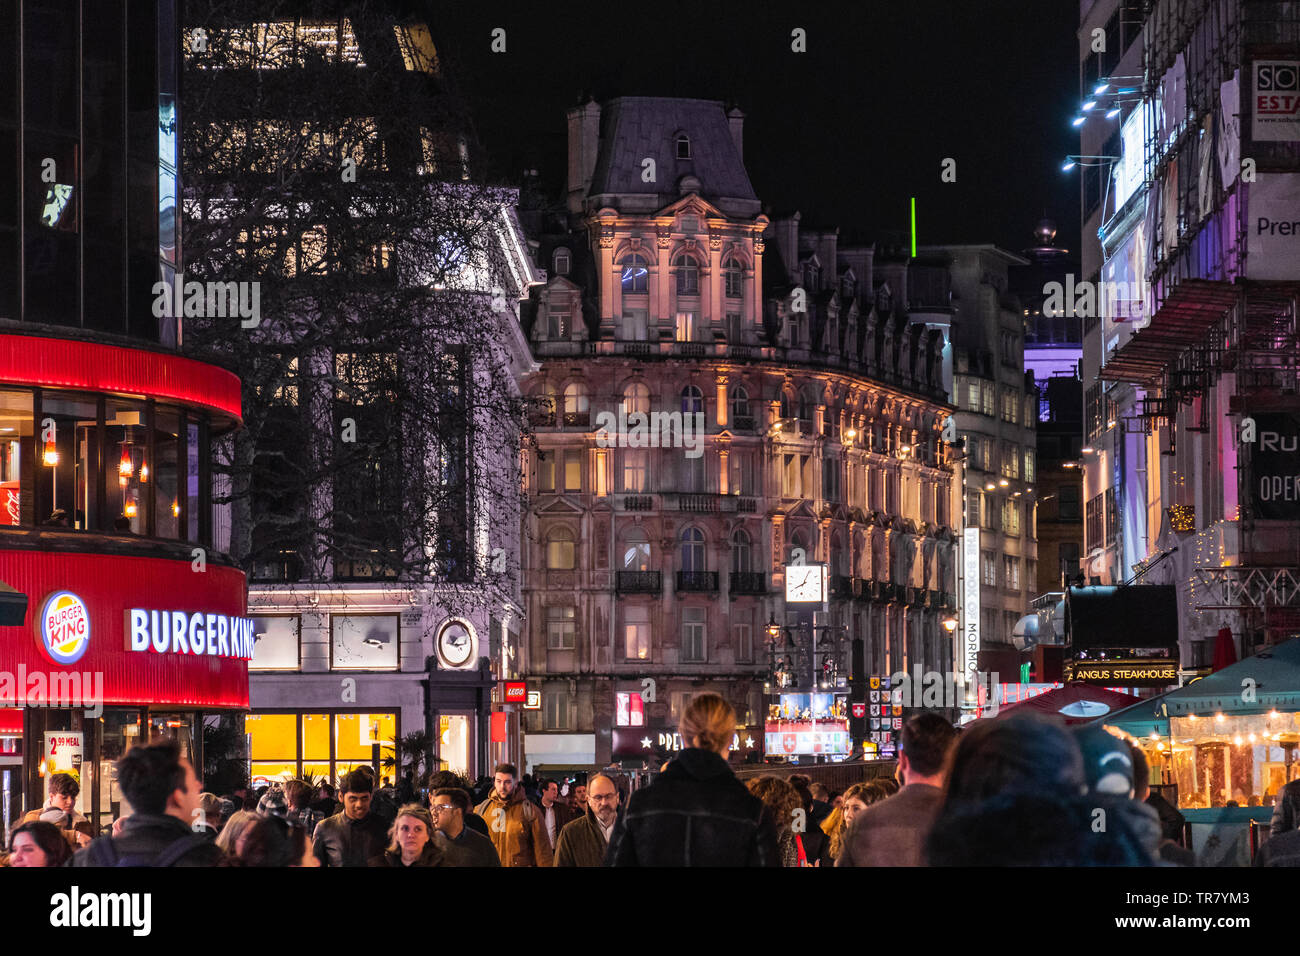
column 697, row 813
column 411, row 840
column 228, row 839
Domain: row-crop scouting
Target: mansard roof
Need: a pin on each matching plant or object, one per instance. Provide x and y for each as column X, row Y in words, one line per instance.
column 634, row 128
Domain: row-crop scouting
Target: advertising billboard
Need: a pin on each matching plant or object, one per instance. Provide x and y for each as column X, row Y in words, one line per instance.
column 1275, row 101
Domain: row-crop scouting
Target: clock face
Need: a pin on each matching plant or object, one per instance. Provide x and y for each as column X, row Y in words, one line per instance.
column 803, row 583
column 455, row 645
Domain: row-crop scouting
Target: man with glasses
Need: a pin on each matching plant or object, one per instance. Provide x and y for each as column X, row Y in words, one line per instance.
column 462, row 846
column 583, row 841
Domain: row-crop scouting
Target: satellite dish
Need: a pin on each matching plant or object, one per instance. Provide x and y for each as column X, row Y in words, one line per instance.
column 1025, row 634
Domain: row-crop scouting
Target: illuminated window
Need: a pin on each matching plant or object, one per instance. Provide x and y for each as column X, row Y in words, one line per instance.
column 634, row 273
column 629, row 709
column 636, row 551
column 364, row 642
column 275, row 646
column 561, row 551
column 636, row 632
column 635, row 468
column 636, row 398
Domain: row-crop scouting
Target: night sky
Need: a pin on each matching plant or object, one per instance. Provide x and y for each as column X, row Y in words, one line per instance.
column 845, row 132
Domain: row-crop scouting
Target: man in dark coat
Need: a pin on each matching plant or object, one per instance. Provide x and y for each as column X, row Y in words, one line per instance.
column 893, row 831
column 353, row 836
column 164, row 793
column 585, row 841
column 463, row 846
column 556, row 813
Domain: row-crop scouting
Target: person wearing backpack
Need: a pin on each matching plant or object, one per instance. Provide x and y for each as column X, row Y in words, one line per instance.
column 164, row 795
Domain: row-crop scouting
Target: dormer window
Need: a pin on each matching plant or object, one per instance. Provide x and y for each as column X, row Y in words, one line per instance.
column 560, row 262
column 847, row 288
column 811, row 277
column 683, row 146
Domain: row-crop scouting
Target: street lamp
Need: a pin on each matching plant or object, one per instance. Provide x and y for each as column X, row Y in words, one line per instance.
column 950, row 624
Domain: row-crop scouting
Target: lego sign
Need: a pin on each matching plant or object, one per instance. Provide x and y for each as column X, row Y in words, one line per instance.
column 516, row 692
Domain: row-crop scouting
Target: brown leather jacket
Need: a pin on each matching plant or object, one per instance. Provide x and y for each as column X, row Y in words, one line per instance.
column 516, row 829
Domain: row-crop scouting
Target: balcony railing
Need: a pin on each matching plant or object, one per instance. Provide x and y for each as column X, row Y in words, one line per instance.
column 692, row 349
column 743, row 423
column 697, row 580
column 746, row 505
column 638, row 503
column 704, row 504
column 577, row 419
column 639, row 582
column 748, row 582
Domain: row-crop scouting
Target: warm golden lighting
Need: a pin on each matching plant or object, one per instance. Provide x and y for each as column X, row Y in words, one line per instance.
column 124, row 466
column 51, row 455
column 131, row 511
column 144, row 472
column 176, row 509
column 1219, row 717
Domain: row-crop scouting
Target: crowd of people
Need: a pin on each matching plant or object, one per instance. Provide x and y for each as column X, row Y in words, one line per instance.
column 1016, row 791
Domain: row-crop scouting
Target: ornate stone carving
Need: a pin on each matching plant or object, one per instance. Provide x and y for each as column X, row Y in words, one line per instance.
column 607, row 238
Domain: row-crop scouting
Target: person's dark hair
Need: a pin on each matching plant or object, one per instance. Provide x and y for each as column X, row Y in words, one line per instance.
column 66, row 784
column 1141, row 770
column 49, row 838
column 296, row 792
column 250, row 801
column 926, row 740
column 507, row 768
column 272, row 841
column 455, row 794
column 149, row 774
column 800, row 784
column 1018, row 753
column 544, row 782
column 84, row 826
column 358, row 782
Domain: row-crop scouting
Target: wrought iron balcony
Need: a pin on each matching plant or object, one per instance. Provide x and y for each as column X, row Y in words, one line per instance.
column 638, row 503
column 697, row 580
column 577, row 419
column 639, row 582
column 748, row 582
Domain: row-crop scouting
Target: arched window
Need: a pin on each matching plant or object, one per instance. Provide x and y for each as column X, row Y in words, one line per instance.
column 636, row 551
column 560, row 262
column 683, row 146
column 785, row 406
column 688, row 275
column 693, row 551
column 798, row 550
column 807, row 409
column 812, row 277
column 734, row 275
column 634, row 273
column 576, row 407
column 847, row 288
column 741, row 552
column 561, row 553
column 692, row 400
column 739, row 403
column 636, row 398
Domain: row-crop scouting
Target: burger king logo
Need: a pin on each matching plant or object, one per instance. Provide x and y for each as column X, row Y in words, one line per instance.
column 65, row 627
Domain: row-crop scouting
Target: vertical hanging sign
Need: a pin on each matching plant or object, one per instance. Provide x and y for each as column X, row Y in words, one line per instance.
column 970, row 643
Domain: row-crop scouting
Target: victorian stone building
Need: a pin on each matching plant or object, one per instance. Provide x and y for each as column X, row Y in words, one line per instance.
column 654, row 559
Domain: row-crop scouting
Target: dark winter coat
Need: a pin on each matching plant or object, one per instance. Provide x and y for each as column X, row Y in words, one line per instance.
column 581, row 842
column 696, row 814
column 431, row 856
column 1286, row 814
column 341, row 841
column 144, row 837
column 470, row 848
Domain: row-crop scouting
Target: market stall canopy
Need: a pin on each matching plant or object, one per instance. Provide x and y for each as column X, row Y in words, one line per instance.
column 1142, row 719
column 1077, row 702
column 1269, row 680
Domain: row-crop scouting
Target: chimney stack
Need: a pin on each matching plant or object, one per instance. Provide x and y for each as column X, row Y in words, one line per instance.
column 736, row 120
column 584, row 142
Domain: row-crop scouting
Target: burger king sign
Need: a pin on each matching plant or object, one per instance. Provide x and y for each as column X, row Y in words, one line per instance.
column 64, row 625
